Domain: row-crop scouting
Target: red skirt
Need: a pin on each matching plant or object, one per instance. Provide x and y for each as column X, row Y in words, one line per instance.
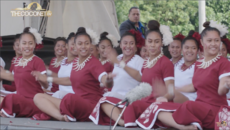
column 76, row 108
column 222, row 121
column 10, row 88
column 15, row 105
column 98, row 116
column 148, row 119
column 54, row 88
column 191, row 112
column 134, row 110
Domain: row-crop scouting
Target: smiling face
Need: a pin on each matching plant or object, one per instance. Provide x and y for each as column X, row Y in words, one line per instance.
column 103, row 46
column 153, row 44
column 17, row 48
column 190, row 51
column 128, row 45
column 83, row 45
column 144, row 53
column 27, row 45
column 211, row 43
column 70, row 46
column 223, row 50
column 60, row 48
column 175, row 49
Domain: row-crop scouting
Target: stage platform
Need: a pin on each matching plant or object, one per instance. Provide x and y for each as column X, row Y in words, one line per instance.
column 28, row 124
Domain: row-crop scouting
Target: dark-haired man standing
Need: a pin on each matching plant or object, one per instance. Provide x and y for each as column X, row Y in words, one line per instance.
column 133, row 22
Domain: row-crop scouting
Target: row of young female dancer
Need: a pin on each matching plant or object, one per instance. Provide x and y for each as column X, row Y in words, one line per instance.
column 82, row 81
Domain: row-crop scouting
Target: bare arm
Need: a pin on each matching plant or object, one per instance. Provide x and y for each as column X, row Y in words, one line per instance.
column 187, row 89
column 224, row 85
column 6, row 75
column 61, row 81
column 170, row 93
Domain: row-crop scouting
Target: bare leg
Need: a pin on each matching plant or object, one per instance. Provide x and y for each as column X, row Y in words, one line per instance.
column 1, row 99
column 49, row 105
column 179, row 98
column 107, row 108
column 167, row 119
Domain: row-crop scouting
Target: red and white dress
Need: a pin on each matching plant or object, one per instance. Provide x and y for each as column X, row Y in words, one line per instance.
column 64, row 71
column 123, row 83
column 85, row 79
column 108, row 68
column 163, row 70
column 54, row 67
column 184, row 77
column 179, row 61
column 21, row 104
column 201, row 112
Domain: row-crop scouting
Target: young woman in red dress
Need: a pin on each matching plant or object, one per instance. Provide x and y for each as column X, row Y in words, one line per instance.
column 157, row 68
column 211, row 82
column 21, row 104
column 86, row 75
column 66, row 67
column 106, row 42
column 18, row 54
column 55, row 63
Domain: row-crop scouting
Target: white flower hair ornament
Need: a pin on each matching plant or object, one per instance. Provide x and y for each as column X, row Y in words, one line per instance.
column 113, row 40
column 222, row 28
column 167, row 34
column 38, row 37
column 93, row 35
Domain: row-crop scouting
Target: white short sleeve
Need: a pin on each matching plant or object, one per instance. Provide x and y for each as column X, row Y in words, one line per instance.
column 2, row 63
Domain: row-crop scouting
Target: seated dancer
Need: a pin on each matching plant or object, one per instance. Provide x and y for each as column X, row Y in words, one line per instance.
column 18, row 54
column 86, row 75
column 157, row 68
column 123, row 82
column 21, row 104
column 55, row 63
column 65, row 68
column 144, row 52
column 175, row 49
column 184, row 71
column 106, row 42
column 211, row 81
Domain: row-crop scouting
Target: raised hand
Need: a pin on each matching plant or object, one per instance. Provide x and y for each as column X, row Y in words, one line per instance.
column 112, row 55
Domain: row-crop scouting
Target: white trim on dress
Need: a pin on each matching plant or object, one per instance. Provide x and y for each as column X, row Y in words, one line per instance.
column 224, row 75
column 8, row 114
column 43, row 72
column 168, row 78
column 100, row 76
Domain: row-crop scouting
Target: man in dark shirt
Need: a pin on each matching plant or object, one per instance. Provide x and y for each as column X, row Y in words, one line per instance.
column 133, row 22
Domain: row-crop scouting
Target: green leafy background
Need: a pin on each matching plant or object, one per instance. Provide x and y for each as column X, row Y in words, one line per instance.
column 180, row 15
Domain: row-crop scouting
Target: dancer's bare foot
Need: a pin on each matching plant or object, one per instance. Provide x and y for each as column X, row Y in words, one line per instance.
column 66, row 118
column 2, row 114
column 121, row 122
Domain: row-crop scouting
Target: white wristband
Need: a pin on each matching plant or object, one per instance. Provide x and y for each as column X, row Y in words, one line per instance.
column 50, row 79
column 159, row 98
column 7, row 71
column 122, row 64
column 49, row 72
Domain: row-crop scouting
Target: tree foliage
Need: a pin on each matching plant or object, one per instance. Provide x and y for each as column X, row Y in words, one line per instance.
column 180, row 15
